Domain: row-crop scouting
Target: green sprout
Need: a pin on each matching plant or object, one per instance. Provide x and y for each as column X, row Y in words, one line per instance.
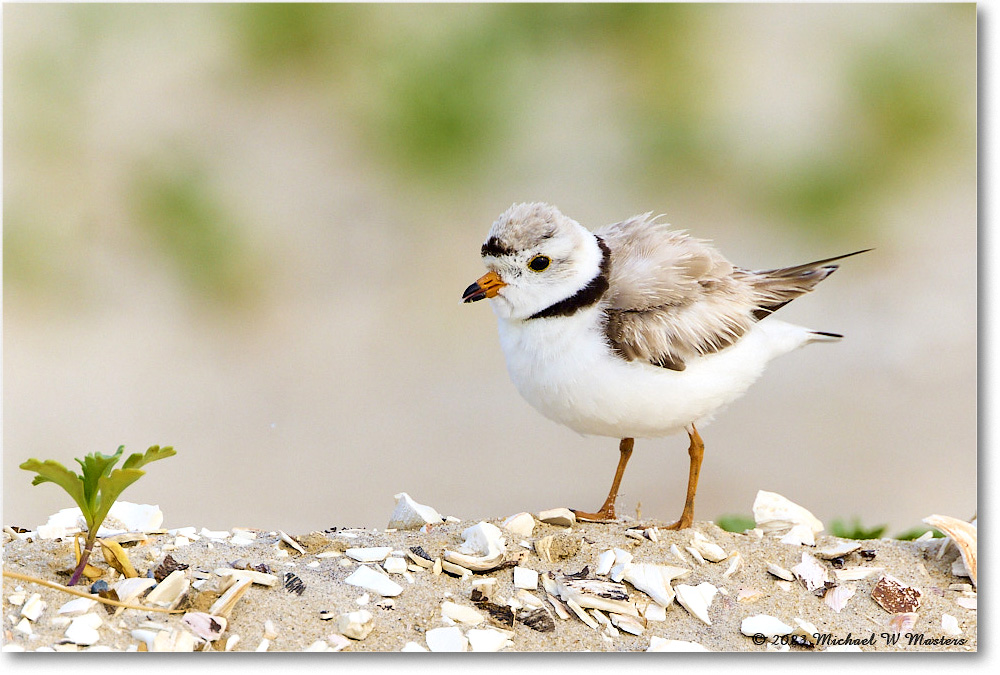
column 97, row 489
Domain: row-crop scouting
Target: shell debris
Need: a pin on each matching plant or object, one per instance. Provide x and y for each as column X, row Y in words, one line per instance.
column 525, row 578
column 812, row 574
column 707, row 548
column 562, row 517
column 764, row 624
column 963, row 534
column 836, row 598
column 409, row 515
column 780, row 572
column 447, row 639
column 461, row 614
column 654, row 580
column 696, row 599
column 658, row 644
column 894, row 596
column 521, row 524
column 593, row 594
column 367, row 578
column 489, row 639
column 776, row 514
column 369, row 554
column 356, row 625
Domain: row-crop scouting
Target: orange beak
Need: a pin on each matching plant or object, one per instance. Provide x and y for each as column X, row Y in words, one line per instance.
column 487, row 286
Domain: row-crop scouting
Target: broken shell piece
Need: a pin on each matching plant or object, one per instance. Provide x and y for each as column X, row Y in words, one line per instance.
column 780, row 572
column 409, row 515
column 812, row 575
column 525, row 578
column 774, row 513
column 254, row 576
column 224, row 605
column 594, row 594
column 475, row 563
column 206, row 626
column 461, row 614
column 622, row 560
column 369, row 554
column 483, row 539
column 543, row 548
column 604, row 563
column 629, row 624
column 836, row 598
column 963, row 534
column 128, row 590
column 169, row 591
column 799, row 535
column 903, row 622
column 734, row 565
column 394, row 565
column 895, row 597
column 420, row 557
column 521, row 524
column 78, row 606
column 764, row 624
column 807, row 630
column 748, row 595
column 658, row 644
column 696, row 599
column 33, row 607
column 537, row 618
column 457, row 570
column 489, row 639
column 560, row 516
column 949, row 625
column 839, row 551
column 356, row 625
column 856, row 573
column 448, row 639
column 654, row 580
column 967, row 603
column 708, row 549
column 83, row 629
column 367, row 578
column 483, row 589
column 291, row 542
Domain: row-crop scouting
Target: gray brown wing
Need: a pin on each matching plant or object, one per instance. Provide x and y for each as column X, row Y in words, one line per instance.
column 673, row 298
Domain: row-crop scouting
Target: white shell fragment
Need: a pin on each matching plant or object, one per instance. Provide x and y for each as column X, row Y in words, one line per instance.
column 449, row 639
column 254, row 576
column 409, row 515
column 394, row 565
column 356, row 625
column 949, row 625
column 604, row 563
column 589, row 593
column 811, row 573
column 764, row 624
column 489, row 639
column 78, row 606
column 169, row 591
column 963, row 534
column 780, row 572
column 33, row 607
column 697, row 599
column 370, row 554
column 521, row 524
column 708, row 549
column 838, row 551
column 206, row 626
column 525, row 578
column 776, row 514
column 83, row 629
column 461, row 614
column 836, row 598
column 483, row 539
column 224, row 605
column 654, row 580
column 370, row 580
column 856, row 573
column 560, row 516
column 474, row 563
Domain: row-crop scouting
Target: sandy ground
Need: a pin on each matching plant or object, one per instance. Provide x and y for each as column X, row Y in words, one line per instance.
column 308, row 619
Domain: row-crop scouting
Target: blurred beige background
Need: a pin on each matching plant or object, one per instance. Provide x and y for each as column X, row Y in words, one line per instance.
column 244, row 231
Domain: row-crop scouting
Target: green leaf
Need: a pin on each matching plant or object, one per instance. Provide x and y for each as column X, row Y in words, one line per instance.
column 154, row 453
column 51, row 471
column 735, row 523
column 111, row 487
column 856, row 530
column 96, row 466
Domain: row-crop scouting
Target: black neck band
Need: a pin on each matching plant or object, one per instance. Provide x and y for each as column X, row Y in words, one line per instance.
column 586, row 296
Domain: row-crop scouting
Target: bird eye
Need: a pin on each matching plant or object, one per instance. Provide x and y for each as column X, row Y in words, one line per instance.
column 539, row 263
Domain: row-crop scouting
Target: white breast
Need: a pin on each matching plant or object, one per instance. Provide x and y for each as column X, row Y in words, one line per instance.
column 565, row 369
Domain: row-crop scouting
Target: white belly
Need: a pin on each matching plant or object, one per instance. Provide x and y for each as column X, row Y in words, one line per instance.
column 565, row 369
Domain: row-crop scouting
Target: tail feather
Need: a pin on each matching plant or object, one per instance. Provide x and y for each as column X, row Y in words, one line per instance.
column 777, row 287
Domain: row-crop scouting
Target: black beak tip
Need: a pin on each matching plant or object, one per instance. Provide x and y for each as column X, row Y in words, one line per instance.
column 473, row 293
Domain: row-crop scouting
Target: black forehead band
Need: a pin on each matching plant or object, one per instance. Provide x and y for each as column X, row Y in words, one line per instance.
column 494, row 248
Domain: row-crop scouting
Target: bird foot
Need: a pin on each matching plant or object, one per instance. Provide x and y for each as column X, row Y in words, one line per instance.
column 605, row 515
column 686, row 521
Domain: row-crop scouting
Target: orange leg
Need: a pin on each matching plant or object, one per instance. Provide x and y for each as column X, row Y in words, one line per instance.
column 696, row 451
column 607, row 511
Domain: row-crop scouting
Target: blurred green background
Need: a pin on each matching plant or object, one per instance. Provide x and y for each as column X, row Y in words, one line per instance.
column 243, row 230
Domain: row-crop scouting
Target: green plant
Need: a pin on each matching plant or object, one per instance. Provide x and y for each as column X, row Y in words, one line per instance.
column 856, row 530
column 735, row 523
column 97, row 488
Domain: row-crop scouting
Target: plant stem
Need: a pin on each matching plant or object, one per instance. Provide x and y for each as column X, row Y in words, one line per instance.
column 84, row 557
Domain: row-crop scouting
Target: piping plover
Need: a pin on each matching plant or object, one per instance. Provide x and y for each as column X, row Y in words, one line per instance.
column 635, row 330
